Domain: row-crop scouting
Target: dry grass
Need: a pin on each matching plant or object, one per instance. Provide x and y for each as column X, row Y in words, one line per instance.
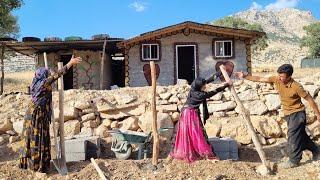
column 17, row 82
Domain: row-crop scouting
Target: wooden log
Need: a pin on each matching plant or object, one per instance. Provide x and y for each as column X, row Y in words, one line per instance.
column 102, row 64
column 52, row 113
column 154, row 115
column 45, row 59
column 245, row 114
column 2, row 68
column 95, row 165
column 61, row 117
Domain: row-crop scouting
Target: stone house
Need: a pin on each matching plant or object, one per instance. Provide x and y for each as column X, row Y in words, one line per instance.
column 185, row 51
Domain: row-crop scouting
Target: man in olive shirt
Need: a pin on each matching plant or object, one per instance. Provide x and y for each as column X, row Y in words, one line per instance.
column 290, row 93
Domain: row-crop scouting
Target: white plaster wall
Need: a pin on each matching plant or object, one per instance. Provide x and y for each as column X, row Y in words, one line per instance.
column 205, row 57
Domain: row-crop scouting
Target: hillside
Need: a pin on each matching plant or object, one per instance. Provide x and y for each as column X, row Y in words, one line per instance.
column 284, row 29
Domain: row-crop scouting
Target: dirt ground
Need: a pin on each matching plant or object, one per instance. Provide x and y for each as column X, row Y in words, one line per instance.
column 142, row 169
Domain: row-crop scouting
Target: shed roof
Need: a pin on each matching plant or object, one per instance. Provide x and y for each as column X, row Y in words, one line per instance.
column 30, row 48
column 191, row 27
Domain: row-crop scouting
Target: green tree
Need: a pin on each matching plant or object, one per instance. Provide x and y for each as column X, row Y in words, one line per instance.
column 234, row 22
column 312, row 39
column 8, row 28
column 8, row 22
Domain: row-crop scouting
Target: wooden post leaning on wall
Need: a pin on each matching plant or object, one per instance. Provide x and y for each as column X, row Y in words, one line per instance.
column 246, row 115
column 102, row 80
column 61, row 117
column 2, row 68
column 155, row 134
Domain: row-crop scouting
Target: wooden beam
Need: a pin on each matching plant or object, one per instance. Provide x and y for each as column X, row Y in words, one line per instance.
column 61, row 116
column 102, row 64
column 95, row 165
column 246, row 115
column 155, row 134
column 2, row 68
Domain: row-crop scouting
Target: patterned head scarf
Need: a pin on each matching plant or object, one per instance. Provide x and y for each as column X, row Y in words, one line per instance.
column 37, row 87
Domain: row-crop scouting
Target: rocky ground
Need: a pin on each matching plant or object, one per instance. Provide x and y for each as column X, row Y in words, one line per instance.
column 129, row 109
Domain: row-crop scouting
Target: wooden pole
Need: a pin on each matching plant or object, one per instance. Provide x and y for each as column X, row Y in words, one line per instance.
column 101, row 174
column 45, row 59
column 154, row 115
column 102, row 64
column 245, row 114
column 2, row 68
column 61, row 118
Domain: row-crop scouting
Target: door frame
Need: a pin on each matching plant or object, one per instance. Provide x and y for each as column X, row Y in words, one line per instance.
column 195, row 50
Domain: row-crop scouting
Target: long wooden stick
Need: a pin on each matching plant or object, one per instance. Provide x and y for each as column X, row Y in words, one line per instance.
column 52, row 113
column 102, row 65
column 61, row 118
column 2, row 68
column 45, row 59
column 154, row 115
column 245, row 114
column 98, row 169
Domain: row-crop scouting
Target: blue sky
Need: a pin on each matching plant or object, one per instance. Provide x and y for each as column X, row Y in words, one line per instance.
column 128, row 18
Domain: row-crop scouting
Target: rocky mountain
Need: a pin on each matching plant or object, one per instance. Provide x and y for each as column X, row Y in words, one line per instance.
column 284, row 29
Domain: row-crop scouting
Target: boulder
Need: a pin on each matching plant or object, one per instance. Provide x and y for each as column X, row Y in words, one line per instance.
column 18, row 126
column 88, row 111
column 88, row 117
column 217, row 97
column 273, row 101
column 13, row 139
column 5, row 125
column 213, row 128
column 262, row 140
column 102, row 131
column 130, row 123
column 91, row 123
column 120, row 113
column 175, row 117
column 106, row 122
column 236, row 129
column 229, row 105
column 312, row 89
column 259, row 107
column 69, row 113
column 125, row 98
column 163, row 121
column 314, row 129
column 71, row 128
column 266, row 126
column 174, row 99
column 167, row 108
column 4, row 139
column 219, row 114
column 165, row 96
column 83, row 104
column 248, row 95
column 114, row 124
column 86, row 132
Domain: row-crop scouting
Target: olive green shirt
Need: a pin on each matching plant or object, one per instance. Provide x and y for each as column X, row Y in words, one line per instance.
column 290, row 95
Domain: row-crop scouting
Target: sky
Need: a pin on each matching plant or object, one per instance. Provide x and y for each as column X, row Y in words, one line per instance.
column 129, row 18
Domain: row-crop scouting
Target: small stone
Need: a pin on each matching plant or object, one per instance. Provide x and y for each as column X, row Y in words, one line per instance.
column 262, row 170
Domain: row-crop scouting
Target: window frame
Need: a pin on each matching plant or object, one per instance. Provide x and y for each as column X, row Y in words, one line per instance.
column 214, row 45
column 150, row 44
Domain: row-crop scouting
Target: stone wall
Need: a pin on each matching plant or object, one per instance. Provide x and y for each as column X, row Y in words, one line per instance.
column 205, row 58
column 19, row 63
column 93, row 112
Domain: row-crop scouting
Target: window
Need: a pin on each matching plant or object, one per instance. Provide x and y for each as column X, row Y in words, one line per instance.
column 223, row 48
column 150, row 52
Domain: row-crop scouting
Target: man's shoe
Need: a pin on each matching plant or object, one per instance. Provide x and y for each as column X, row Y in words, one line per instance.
column 288, row 165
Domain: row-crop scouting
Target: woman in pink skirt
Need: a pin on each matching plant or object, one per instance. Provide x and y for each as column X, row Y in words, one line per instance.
column 191, row 141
